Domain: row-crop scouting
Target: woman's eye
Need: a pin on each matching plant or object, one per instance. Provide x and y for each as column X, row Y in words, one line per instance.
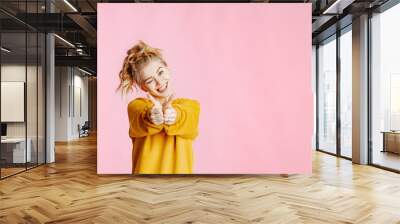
column 149, row 82
column 160, row 72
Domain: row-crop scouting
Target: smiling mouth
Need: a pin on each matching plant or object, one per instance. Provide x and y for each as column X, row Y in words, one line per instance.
column 163, row 87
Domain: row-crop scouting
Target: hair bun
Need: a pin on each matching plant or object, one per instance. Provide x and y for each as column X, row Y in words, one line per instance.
column 140, row 47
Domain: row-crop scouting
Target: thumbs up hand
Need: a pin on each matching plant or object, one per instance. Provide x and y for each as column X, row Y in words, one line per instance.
column 156, row 113
column 169, row 112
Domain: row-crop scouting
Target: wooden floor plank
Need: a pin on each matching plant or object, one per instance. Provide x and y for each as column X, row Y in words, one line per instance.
column 70, row 191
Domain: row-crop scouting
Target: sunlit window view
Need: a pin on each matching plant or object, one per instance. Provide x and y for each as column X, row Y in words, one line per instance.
column 327, row 96
column 346, row 93
column 386, row 89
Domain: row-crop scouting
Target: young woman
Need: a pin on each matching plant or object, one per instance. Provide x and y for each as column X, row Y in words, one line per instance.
column 162, row 128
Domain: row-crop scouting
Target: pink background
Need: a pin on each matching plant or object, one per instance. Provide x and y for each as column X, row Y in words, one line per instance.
column 249, row 66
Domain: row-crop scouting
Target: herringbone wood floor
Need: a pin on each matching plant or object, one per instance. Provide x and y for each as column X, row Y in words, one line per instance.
column 70, row 191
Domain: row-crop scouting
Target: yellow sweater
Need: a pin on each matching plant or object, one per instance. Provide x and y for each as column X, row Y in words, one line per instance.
column 163, row 149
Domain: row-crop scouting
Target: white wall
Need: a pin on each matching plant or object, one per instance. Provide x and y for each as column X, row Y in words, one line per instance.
column 71, row 102
column 13, row 101
column 15, row 72
column 81, row 103
column 62, row 82
column 9, row 73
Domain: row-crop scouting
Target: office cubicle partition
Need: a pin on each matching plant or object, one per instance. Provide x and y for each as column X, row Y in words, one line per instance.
column 22, row 77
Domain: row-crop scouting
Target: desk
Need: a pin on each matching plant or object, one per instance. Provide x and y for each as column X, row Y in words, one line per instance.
column 13, row 150
column 391, row 141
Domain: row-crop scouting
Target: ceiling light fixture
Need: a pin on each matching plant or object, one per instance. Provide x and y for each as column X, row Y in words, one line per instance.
column 5, row 50
column 84, row 71
column 338, row 6
column 64, row 40
column 70, row 5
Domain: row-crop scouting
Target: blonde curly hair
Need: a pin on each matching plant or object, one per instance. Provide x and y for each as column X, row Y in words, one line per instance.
column 137, row 57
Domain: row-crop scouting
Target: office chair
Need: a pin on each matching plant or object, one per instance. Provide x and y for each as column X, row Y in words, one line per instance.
column 84, row 130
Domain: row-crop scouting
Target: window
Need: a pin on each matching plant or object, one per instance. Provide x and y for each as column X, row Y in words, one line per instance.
column 327, row 95
column 385, row 89
column 346, row 92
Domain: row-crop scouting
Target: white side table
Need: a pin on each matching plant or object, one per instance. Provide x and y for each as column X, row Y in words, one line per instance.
column 19, row 155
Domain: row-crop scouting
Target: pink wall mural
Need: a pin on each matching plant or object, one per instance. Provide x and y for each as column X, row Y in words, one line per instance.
column 248, row 66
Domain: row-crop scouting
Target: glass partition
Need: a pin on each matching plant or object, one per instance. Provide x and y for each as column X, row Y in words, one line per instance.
column 14, row 153
column 31, row 100
column 22, row 78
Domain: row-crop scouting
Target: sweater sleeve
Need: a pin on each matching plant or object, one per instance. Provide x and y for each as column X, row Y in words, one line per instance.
column 139, row 123
column 187, row 120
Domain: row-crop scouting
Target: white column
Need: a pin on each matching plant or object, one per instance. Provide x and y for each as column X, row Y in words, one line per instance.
column 50, row 93
column 360, row 90
column 50, row 99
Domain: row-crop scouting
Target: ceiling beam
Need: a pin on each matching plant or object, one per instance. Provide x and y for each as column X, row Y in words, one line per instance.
column 83, row 61
column 337, row 6
column 84, row 24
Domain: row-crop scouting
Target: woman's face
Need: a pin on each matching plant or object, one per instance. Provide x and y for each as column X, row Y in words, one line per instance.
column 155, row 77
